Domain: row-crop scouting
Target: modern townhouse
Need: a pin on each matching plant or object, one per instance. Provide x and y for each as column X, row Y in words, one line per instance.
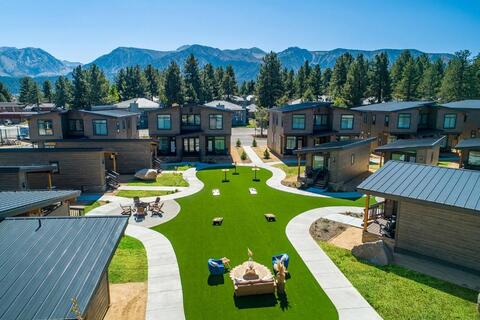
column 310, row 124
column 462, row 119
column 239, row 113
column 191, row 132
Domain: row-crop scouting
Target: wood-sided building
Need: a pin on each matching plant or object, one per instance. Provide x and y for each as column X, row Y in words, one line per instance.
column 57, row 267
column 469, row 153
column 192, row 133
column 426, row 150
column 430, row 211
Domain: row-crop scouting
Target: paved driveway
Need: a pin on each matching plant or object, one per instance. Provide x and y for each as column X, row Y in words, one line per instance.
column 246, row 136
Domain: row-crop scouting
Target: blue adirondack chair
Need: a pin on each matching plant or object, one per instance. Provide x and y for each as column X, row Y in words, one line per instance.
column 281, row 257
column 216, row 266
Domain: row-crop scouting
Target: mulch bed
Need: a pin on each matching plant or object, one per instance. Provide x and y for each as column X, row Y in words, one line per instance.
column 324, row 229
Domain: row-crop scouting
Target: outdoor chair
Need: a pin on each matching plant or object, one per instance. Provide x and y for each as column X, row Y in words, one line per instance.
column 154, row 203
column 216, row 267
column 157, row 209
column 126, row 210
column 283, row 258
column 140, row 215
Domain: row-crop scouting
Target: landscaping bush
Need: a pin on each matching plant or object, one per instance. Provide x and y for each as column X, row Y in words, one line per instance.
column 266, row 154
column 243, row 155
column 254, row 143
column 239, row 143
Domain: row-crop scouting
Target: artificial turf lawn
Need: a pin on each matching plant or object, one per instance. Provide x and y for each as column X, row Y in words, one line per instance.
column 142, row 193
column 164, row 179
column 195, row 240
column 401, row 294
column 129, row 264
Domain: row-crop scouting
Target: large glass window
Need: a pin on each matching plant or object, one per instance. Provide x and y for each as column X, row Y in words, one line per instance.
column 100, row 127
column 450, row 121
column 346, row 121
column 190, row 119
column 474, row 158
column 164, row 122
column 318, row 162
column 166, row 145
column 320, row 120
column 75, row 125
column 404, row 120
column 216, row 121
column 291, row 143
column 216, row 144
column 191, row 145
column 423, row 120
column 45, row 127
column 298, row 121
column 387, row 120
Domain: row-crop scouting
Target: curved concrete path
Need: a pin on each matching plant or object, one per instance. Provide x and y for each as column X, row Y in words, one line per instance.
column 349, row 302
column 165, row 297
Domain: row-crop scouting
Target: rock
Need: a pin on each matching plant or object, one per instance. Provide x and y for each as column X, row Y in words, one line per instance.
column 146, row 174
column 375, row 252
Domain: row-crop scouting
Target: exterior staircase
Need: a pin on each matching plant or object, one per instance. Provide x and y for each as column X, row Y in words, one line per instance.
column 156, row 163
column 111, row 179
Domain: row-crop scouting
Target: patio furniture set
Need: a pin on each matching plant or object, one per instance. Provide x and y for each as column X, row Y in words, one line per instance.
column 140, row 209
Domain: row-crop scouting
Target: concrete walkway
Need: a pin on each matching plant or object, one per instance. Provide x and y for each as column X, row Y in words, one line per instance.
column 152, row 188
column 165, row 298
column 349, row 302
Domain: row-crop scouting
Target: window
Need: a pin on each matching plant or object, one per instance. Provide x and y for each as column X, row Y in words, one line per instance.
column 374, row 118
column 100, row 127
column 474, row 158
column 387, row 120
column 352, row 159
column 423, row 120
column 318, row 162
column 75, row 125
column 216, row 121
column 164, row 122
column 346, row 121
column 190, row 119
column 473, row 134
column 449, row 121
column 365, row 117
column 56, row 165
column 191, row 145
column 45, row 128
column 298, row 121
column 118, row 126
column 291, row 143
column 166, row 145
column 404, row 120
column 321, row 120
column 216, row 145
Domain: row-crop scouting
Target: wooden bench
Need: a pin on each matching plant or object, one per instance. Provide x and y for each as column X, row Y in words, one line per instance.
column 217, row 221
column 270, row 217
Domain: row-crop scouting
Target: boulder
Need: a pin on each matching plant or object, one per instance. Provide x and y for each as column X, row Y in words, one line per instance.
column 375, row 252
column 146, row 174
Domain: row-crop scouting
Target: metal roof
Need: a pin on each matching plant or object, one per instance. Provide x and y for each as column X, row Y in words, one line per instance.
column 458, row 188
column 411, row 144
column 115, row 113
column 6, row 150
column 13, row 203
column 47, row 261
column 224, row 104
column 393, row 106
column 32, row 168
column 300, row 106
column 463, row 104
column 335, row 145
column 468, row 143
column 142, row 103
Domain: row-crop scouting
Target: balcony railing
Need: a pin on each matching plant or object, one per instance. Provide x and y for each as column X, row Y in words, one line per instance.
column 376, row 211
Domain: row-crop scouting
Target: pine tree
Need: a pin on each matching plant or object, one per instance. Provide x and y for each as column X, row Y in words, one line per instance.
column 288, row 79
column 5, row 95
column 173, row 85
column 113, row 95
column 121, row 83
column 300, row 83
column 326, row 78
column 63, row 92
column 136, row 82
column 251, row 86
column 314, row 84
column 339, row 75
column 29, row 91
column 152, row 78
column 269, row 81
column 208, row 82
column 422, row 63
column 396, row 73
column 99, row 86
column 379, row 78
column 431, row 81
column 219, row 72
column 476, row 77
column 457, row 82
column 81, row 89
column 47, row 91
column 356, row 84
column 229, row 83
column 406, row 89
column 193, row 84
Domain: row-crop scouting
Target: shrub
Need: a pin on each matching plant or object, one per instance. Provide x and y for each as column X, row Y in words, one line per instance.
column 239, row 143
column 243, row 156
column 254, row 143
column 266, row 154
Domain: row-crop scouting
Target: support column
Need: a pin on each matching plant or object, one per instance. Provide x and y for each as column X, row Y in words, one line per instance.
column 114, row 162
column 298, row 165
column 49, row 181
column 365, row 214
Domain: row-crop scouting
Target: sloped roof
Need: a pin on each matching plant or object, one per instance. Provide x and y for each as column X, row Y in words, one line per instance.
column 393, row 106
column 411, row 144
column 17, row 202
column 463, row 104
column 335, row 145
column 300, row 106
column 224, row 104
column 468, row 143
column 47, row 261
column 114, row 113
column 143, row 103
column 458, row 188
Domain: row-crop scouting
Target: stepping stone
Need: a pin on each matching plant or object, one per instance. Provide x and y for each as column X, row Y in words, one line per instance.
column 270, row 217
column 216, row 192
column 252, row 190
column 217, row 221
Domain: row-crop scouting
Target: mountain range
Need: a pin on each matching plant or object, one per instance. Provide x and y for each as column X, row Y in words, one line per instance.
column 39, row 64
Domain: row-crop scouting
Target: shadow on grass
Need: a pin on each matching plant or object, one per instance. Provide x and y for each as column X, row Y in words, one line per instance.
column 255, row 301
column 283, row 299
column 215, row 280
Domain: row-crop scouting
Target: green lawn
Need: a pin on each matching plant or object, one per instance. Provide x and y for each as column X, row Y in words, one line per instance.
column 92, row 206
column 195, row 240
column 142, row 193
column 291, row 170
column 400, row 294
column 129, row 264
column 163, row 179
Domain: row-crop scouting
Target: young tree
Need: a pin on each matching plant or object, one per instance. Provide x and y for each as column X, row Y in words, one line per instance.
column 81, row 89
column 47, row 91
column 229, row 83
column 63, row 92
column 193, row 84
column 380, row 83
column 99, row 86
column 173, row 85
column 269, row 81
column 457, row 82
column 208, row 82
column 5, row 95
column 356, row 84
column 431, row 81
column 152, row 79
column 261, row 117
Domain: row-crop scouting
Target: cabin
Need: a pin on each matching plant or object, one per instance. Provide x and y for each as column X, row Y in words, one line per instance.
column 425, row 150
column 19, row 177
column 334, row 164
column 469, row 153
column 57, row 267
column 429, row 211
column 239, row 113
column 37, row 203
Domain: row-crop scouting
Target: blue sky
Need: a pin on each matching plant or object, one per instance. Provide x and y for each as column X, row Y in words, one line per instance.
column 83, row 30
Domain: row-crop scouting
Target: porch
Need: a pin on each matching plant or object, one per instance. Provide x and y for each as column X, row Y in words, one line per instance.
column 379, row 220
